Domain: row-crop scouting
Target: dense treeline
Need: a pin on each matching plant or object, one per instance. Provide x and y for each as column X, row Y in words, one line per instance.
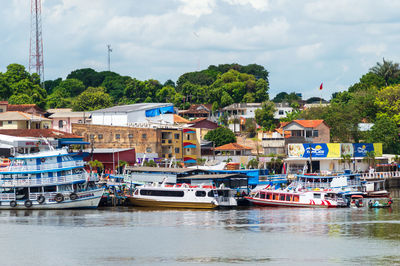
column 374, row 99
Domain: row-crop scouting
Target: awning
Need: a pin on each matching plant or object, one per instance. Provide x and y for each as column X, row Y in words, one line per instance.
column 74, row 142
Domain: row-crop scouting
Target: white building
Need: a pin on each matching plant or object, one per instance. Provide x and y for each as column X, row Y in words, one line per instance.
column 135, row 114
column 282, row 109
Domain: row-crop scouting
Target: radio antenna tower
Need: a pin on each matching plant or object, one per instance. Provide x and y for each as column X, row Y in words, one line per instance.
column 109, row 50
column 36, row 41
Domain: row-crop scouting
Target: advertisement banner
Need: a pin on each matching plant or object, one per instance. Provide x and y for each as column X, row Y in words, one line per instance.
column 333, row 150
column 318, row 150
column 361, row 149
column 378, row 149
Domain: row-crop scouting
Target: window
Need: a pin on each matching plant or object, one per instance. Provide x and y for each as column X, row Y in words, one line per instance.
column 176, row 150
column 176, row 136
column 162, row 193
column 317, row 195
column 296, row 198
column 117, row 136
column 100, row 136
column 200, row 193
column 315, row 133
column 188, row 137
column 130, row 136
column 144, row 136
column 60, row 123
column 91, row 136
column 1, row 110
column 1, row 123
column 9, row 122
column 35, row 189
column 308, row 133
column 297, row 133
column 287, row 197
column 269, row 196
column 148, row 149
column 262, row 195
column 80, row 121
column 50, row 189
column 280, row 112
column 281, row 197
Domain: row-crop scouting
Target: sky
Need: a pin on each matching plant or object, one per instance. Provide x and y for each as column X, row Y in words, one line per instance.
column 301, row 43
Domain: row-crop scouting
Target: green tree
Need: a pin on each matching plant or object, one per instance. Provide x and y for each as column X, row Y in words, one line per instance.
column 92, row 99
column 387, row 70
column 71, row 87
column 385, row 131
column 388, row 102
column 221, row 136
column 265, row 115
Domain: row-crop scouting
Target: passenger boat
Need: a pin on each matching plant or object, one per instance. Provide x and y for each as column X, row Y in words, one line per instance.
column 378, row 204
column 182, row 196
column 50, row 179
column 290, row 198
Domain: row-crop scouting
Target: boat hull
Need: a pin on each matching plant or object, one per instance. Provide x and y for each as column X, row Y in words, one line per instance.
column 83, row 202
column 170, row 204
column 272, row 203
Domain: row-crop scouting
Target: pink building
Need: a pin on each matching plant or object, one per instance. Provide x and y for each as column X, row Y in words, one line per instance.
column 63, row 118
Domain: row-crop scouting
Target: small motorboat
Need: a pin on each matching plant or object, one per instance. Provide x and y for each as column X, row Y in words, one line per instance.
column 356, row 201
column 378, row 204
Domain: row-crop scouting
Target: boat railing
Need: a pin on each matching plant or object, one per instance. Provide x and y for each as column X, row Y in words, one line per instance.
column 42, row 181
column 7, row 196
column 380, row 175
column 41, row 167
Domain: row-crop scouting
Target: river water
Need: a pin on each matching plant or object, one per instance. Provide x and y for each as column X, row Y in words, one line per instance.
column 252, row 236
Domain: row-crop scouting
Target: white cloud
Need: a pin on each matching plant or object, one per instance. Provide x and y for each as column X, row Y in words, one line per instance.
column 197, row 8
column 261, row 5
column 376, row 49
column 309, row 52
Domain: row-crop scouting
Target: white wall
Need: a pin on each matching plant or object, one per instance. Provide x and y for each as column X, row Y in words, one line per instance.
column 123, row 119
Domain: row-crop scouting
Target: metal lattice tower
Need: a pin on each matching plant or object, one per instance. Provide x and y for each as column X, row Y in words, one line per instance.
column 36, row 42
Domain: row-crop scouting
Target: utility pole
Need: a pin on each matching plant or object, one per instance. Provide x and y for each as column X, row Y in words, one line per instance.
column 109, row 50
column 36, row 41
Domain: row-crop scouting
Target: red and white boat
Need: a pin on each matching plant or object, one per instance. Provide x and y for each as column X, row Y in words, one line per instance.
column 285, row 198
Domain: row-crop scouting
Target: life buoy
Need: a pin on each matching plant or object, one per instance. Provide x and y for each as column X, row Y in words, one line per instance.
column 28, row 203
column 13, row 203
column 43, row 160
column 59, row 198
column 41, row 199
column 73, row 196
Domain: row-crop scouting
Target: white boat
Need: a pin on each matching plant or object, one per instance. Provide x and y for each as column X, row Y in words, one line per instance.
column 47, row 180
column 182, row 196
column 290, row 198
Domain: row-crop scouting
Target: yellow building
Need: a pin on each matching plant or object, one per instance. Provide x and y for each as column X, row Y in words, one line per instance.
column 21, row 120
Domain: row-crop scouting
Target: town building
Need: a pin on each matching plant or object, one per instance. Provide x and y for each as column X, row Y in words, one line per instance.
column 20, row 120
column 282, row 110
column 306, row 131
column 135, row 114
column 63, row 118
column 197, row 110
column 25, row 108
column 155, row 142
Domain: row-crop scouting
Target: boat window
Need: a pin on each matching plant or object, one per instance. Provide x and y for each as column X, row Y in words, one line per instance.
column 65, row 187
column 162, row 193
column 50, row 189
column 257, row 195
column 276, row 196
column 282, row 197
column 288, row 197
column 35, row 189
column 269, row 196
column 317, row 195
column 136, row 192
column 200, row 193
column 262, row 195
column 296, row 198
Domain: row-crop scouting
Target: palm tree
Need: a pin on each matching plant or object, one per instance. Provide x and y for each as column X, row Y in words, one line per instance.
column 370, row 158
column 346, row 158
column 387, row 70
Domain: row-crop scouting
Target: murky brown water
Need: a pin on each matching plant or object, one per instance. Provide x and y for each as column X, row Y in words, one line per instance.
column 252, row 236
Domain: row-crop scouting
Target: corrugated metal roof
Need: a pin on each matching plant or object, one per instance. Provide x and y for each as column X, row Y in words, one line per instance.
column 132, row 107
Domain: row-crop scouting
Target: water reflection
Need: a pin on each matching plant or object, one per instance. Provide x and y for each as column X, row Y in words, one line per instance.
column 175, row 236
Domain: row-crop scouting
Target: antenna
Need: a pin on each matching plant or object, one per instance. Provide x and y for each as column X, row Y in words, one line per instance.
column 36, row 41
column 109, row 50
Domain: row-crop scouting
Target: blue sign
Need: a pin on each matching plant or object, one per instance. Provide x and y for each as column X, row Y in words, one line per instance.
column 317, row 150
column 361, row 149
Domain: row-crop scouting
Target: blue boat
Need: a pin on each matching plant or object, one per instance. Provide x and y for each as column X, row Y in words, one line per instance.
column 50, row 179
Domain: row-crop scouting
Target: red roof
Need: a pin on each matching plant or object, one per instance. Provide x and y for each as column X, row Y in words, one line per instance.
column 24, row 108
column 231, row 147
column 307, row 123
column 180, row 119
column 198, row 120
column 194, row 109
column 37, row 133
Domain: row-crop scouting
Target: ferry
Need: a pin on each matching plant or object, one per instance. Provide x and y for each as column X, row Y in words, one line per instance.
column 182, row 196
column 290, row 198
column 50, row 179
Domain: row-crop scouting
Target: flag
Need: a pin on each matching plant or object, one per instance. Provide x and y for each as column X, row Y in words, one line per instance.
column 320, row 86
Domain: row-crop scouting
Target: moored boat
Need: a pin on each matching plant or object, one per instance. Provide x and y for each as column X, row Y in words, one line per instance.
column 290, row 198
column 182, row 196
column 47, row 180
